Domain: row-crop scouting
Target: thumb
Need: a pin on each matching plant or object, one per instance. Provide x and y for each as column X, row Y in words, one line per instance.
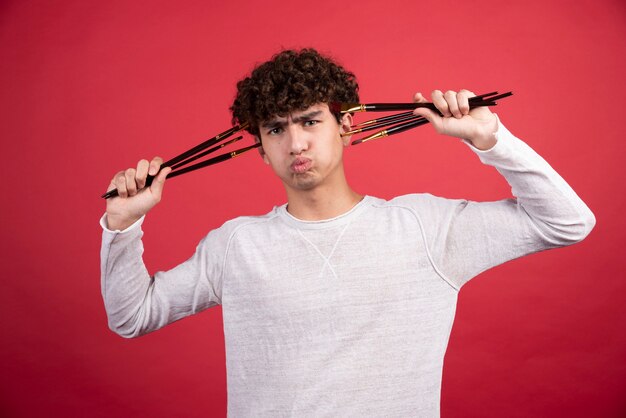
column 157, row 185
column 419, row 98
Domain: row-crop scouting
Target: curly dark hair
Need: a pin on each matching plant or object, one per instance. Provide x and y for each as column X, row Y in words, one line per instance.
column 291, row 81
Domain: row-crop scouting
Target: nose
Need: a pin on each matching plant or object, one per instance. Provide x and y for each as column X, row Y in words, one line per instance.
column 298, row 140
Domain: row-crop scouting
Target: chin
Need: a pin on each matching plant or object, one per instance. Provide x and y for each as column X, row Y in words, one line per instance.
column 305, row 185
column 303, row 182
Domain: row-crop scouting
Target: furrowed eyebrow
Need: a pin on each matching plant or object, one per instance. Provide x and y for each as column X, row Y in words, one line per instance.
column 271, row 124
column 307, row 116
column 278, row 123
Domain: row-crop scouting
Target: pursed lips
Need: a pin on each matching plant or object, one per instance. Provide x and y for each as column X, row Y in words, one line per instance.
column 300, row 165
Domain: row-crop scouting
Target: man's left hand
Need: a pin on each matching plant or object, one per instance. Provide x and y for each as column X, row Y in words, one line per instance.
column 477, row 125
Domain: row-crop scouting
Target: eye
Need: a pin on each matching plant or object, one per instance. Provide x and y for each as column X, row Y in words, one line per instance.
column 275, row 131
column 310, row 122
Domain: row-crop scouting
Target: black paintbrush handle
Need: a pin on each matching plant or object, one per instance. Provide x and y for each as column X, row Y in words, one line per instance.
column 385, row 107
column 406, row 126
column 499, row 96
column 210, row 161
column 487, row 99
column 380, row 120
column 388, row 107
column 214, row 160
column 379, row 125
column 217, row 138
column 204, row 153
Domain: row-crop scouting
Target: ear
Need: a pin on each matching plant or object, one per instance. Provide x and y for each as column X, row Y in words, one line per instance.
column 257, row 140
column 345, row 125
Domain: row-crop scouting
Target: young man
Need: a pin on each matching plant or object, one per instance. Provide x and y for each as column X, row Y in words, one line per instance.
column 335, row 304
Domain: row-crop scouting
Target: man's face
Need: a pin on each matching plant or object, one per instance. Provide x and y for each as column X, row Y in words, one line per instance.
column 305, row 148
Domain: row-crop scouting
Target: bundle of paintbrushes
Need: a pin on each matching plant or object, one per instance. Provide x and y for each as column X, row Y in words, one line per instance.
column 400, row 122
column 180, row 164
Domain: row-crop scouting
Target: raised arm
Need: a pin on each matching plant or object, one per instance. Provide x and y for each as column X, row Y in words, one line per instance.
column 135, row 302
column 470, row 237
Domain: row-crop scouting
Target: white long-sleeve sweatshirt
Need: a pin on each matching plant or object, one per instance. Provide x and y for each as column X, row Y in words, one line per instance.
column 348, row 316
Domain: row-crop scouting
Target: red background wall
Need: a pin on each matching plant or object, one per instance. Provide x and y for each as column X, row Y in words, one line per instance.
column 87, row 88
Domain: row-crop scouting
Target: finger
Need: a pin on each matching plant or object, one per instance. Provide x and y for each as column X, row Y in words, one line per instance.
column 431, row 116
column 120, row 184
column 142, row 172
column 463, row 100
column 453, row 105
column 113, row 183
column 155, row 165
column 419, row 98
column 131, row 185
column 467, row 92
column 440, row 103
column 157, row 185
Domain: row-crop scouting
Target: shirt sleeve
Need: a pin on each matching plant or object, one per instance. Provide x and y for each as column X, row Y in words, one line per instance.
column 136, row 302
column 466, row 237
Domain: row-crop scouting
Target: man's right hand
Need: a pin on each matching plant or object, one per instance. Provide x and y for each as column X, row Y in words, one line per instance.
column 133, row 200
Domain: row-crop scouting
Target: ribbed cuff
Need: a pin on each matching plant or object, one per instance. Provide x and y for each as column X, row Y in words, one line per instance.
column 105, row 225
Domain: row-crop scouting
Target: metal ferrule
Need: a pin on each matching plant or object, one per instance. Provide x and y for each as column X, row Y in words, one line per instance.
column 355, row 131
column 352, row 107
column 377, row 135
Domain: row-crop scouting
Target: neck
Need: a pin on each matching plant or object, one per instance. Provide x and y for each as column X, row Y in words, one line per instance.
column 321, row 203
